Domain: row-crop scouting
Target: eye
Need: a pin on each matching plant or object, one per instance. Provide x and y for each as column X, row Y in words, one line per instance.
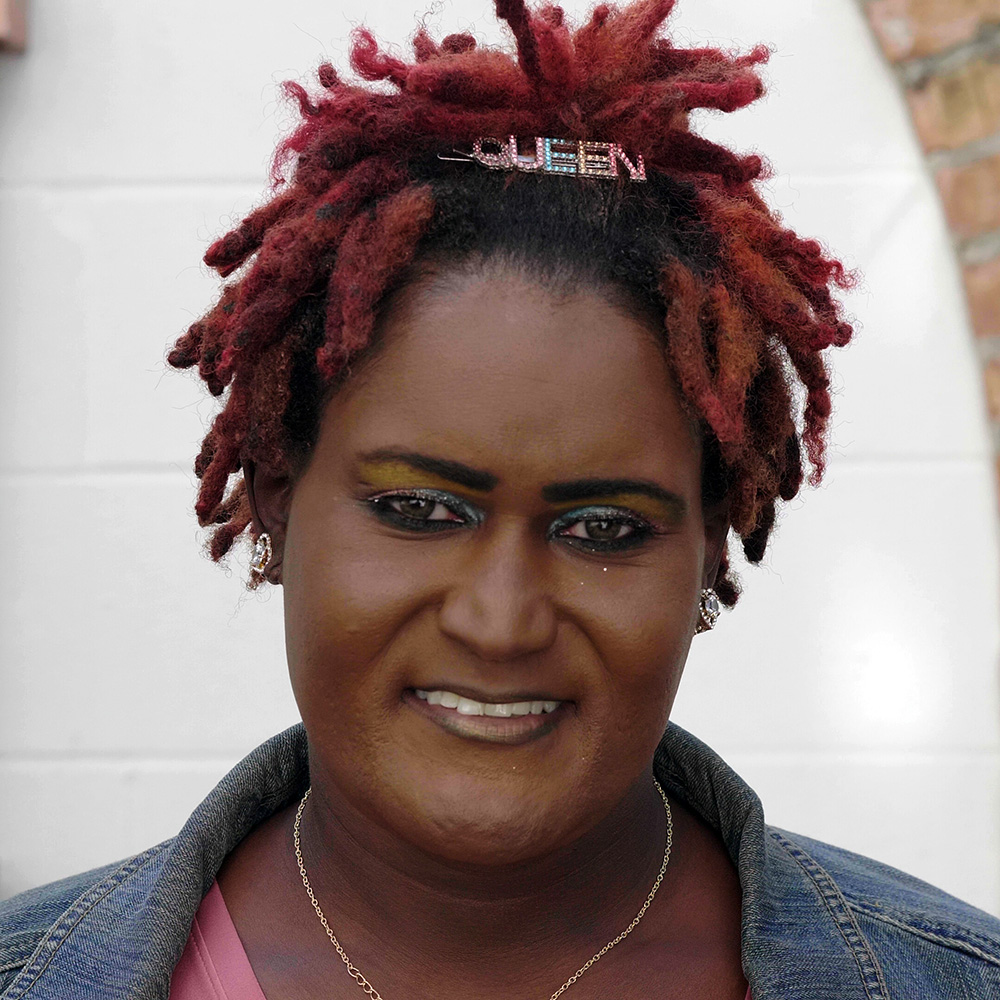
column 422, row 510
column 602, row 529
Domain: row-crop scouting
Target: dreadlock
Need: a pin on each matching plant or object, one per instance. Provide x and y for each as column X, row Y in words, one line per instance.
column 362, row 199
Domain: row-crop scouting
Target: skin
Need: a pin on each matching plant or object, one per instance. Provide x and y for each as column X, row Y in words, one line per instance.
column 451, row 864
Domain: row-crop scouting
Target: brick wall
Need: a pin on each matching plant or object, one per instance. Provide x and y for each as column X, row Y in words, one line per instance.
column 947, row 56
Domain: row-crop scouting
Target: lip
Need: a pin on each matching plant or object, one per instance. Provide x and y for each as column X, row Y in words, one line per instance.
column 511, row 731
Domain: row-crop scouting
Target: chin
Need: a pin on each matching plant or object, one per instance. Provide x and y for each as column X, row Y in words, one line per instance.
column 462, row 822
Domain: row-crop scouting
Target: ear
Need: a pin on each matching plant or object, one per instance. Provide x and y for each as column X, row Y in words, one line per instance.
column 716, row 532
column 269, row 496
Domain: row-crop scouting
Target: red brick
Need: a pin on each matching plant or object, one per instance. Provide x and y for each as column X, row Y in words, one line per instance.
column 971, row 196
column 911, row 28
column 12, row 25
column 955, row 108
column 991, row 380
column 982, row 286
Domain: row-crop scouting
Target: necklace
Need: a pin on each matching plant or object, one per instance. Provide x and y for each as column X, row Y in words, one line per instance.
column 374, row 993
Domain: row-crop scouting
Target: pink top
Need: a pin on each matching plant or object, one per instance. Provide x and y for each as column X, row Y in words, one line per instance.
column 214, row 965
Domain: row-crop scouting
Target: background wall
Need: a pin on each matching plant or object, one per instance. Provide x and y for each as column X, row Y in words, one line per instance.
column 855, row 687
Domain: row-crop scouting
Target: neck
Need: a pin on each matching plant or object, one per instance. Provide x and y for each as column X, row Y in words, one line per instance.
column 376, row 889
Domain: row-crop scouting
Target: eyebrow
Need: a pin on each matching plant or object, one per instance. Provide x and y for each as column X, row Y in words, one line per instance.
column 564, row 492
column 456, row 472
column 588, row 489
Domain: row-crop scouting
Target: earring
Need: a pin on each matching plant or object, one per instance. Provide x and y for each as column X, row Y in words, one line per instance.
column 709, row 611
column 261, row 555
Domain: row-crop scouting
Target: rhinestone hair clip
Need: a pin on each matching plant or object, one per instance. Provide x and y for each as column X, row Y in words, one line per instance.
column 554, row 156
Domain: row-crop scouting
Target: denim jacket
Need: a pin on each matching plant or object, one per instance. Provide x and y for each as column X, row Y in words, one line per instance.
column 819, row 923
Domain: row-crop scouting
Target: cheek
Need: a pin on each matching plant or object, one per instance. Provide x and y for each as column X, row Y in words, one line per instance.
column 643, row 680
column 641, row 633
column 336, row 578
column 343, row 606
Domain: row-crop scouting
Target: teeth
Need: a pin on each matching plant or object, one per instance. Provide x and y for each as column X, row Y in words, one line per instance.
column 504, row 710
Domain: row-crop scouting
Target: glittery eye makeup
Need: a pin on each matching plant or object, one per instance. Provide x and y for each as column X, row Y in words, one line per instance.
column 423, row 510
column 622, row 514
column 602, row 529
column 599, row 529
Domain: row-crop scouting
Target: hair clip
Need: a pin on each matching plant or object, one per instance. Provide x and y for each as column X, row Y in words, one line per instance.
column 554, row 156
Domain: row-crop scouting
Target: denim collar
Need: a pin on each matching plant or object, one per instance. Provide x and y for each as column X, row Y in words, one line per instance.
column 797, row 928
column 123, row 937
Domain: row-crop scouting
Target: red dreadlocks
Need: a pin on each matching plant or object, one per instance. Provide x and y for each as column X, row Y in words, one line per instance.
column 746, row 305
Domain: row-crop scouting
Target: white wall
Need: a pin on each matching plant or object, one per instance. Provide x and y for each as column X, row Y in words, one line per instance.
column 855, row 686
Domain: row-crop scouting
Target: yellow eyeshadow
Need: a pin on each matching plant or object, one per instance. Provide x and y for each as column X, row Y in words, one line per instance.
column 655, row 510
column 393, row 474
column 390, row 473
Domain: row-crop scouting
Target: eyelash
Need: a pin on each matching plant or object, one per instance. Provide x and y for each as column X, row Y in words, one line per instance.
column 641, row 531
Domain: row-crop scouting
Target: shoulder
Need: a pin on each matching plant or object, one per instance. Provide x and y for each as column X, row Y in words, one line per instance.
column 906, row 920
column 27, row 919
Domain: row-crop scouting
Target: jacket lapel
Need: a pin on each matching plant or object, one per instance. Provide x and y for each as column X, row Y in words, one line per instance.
column 797, row 927
column 122, row 938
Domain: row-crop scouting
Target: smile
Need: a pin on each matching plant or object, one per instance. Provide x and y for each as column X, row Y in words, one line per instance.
column 508, row 722
column 503, row 710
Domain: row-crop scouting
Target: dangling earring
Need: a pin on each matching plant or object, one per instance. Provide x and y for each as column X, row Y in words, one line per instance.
column 709, row 611
column 261, row 556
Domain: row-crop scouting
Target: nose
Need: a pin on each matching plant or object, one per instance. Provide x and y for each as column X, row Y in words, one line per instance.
column 498, row 606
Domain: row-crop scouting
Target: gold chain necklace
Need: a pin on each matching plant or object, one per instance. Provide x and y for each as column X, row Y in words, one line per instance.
column 374, row 993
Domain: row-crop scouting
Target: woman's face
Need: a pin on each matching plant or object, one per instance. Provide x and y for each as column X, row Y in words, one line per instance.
column 504, row 507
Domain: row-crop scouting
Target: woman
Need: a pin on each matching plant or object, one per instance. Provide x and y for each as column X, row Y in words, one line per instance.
column 507, row 359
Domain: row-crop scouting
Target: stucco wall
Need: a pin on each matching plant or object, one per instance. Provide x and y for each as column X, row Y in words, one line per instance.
column 855, row 687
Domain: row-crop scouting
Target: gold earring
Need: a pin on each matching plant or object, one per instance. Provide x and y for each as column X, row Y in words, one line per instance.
column 709, row 610
column 261, row 555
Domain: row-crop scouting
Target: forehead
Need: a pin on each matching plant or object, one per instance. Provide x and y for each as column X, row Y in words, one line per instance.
column 498, row 365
